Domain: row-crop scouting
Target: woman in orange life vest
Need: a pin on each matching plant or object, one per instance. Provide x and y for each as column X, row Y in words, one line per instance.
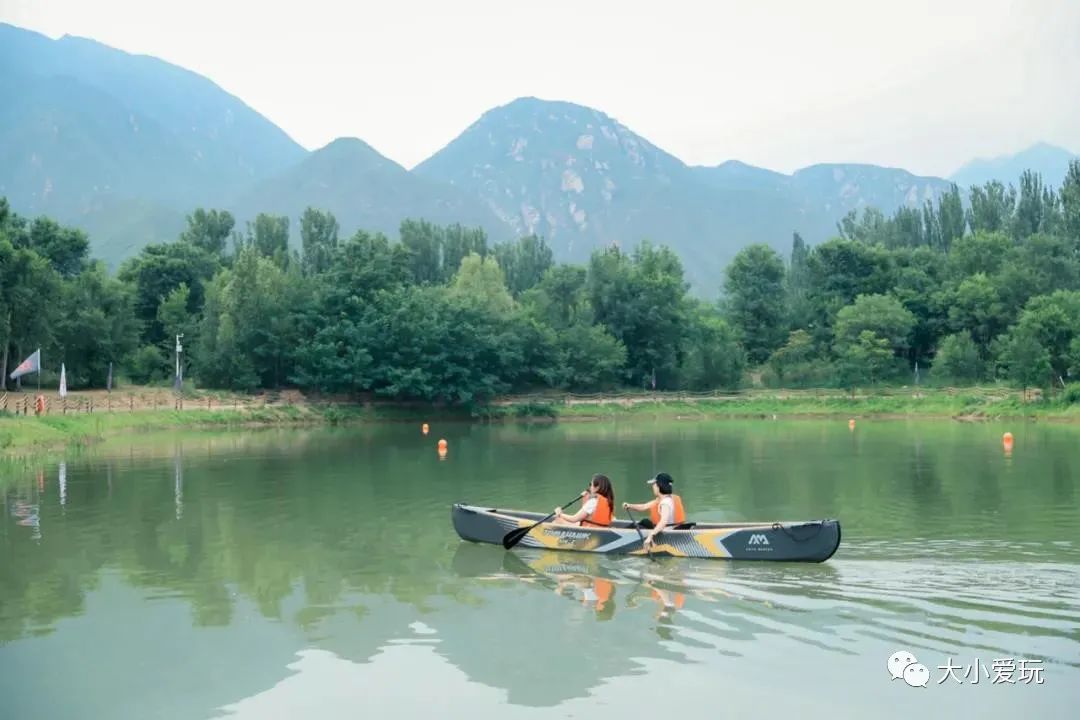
column 664, row 509
column 598, row 509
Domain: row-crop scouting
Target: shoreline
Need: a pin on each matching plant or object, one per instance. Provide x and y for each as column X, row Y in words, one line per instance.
column 22, row 435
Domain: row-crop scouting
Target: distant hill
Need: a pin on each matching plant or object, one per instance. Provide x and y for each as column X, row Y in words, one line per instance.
column 1050, row 161
column 580, row 179
column 364, row 190
column 583, row 180
column 124, row 144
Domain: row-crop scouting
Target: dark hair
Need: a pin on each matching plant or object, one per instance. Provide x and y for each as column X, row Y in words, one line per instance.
column 603, row 486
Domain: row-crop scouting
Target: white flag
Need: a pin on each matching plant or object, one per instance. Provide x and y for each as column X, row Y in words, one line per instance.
column 63, row 381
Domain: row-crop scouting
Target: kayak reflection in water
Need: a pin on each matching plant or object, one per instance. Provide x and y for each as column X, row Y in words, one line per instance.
column 598, row 507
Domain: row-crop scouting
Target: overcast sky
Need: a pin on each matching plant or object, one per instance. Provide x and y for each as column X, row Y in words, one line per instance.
column 920, row 84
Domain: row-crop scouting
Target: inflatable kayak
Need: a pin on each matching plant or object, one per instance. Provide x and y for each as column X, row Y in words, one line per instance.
column 811, row 541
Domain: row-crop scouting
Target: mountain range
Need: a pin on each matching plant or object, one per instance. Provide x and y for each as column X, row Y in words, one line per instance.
column 126, row 145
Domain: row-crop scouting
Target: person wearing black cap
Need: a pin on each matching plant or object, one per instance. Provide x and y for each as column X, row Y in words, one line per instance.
column 664, row 509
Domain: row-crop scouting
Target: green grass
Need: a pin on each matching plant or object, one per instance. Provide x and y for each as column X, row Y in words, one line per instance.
column 19, row 434
column 972, row 404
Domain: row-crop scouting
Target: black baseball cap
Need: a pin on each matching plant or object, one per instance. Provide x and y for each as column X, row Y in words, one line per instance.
column 662, row 480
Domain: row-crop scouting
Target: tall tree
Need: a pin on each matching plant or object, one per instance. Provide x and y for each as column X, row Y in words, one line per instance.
column 425, row 244
column 992, row 207
column 950, row 219
column 458, row 243
column 480, row 280
column 882, row 315
column 755, row 300
column 640, row 300
column 840, row 270
column 524, row 262
column 1070, row 206
column 208, row 230
column 318, row 239
column 158, row 270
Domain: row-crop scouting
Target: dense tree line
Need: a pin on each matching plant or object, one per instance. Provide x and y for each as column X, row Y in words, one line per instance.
column 975, row 293
column 437, row 315
column 983, row 293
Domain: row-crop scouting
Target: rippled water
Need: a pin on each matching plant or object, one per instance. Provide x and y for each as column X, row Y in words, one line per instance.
column 316, row 574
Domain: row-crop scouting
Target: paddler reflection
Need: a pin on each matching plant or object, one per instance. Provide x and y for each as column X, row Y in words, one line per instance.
column 666, row 587
column 595, row 581
column 577, row 576
column 602, row 584
column 596, row 592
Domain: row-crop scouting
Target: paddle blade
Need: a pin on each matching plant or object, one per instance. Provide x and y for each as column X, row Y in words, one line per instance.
column 513, row 537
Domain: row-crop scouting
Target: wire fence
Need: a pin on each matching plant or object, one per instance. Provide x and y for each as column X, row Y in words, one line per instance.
column 39, row 404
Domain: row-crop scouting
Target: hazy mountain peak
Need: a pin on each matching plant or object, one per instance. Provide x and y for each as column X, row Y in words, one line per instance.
column 1050, row 161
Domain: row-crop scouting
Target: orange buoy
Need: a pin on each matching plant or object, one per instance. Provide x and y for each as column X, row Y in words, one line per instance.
column 424, row 428
column 442, row 444
column 1007, row 441
column 851, row 424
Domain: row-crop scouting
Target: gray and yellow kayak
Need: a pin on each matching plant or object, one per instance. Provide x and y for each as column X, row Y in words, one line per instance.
column 810, row 541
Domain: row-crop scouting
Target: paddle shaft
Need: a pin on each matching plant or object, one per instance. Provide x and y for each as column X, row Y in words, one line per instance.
column 634, row 523
column 513, row 537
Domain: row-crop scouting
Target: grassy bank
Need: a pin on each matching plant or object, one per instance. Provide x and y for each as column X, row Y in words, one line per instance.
column 973, row 404
column 22, row 435
column 27, row 434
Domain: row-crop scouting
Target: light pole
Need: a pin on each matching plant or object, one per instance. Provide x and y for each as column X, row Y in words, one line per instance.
column 179, row 372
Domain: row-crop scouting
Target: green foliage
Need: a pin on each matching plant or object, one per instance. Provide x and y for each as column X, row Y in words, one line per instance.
column 318, row 240
column 1054, row 322
column 841, row 270
column 589, row 359
column 208, row 230
column 525, row 262
column 1023, row 359
column 788, row 363
column 1070, row 207
column 755, row 299
column 991, row 207
column 640, row 299
column 882, row 315
column 958, row 359
column 714, row 357
column 866, row 359
column 147, row 365
column 480, row 281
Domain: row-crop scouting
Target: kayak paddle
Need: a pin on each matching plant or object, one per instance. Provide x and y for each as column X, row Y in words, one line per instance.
column 634, row 523
column 513, row 537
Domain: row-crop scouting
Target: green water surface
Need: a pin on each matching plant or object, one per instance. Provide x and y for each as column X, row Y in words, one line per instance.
column 315, row 574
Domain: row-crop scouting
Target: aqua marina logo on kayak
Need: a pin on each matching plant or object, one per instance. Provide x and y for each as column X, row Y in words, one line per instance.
column 758, row 539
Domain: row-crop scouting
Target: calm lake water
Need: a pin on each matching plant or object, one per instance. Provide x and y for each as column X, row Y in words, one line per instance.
column 315, row 574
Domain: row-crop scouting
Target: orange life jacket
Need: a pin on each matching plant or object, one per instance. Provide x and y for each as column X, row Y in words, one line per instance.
column 680, row 514
column 601, row 516
column 678, row 600
column 603, row 589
